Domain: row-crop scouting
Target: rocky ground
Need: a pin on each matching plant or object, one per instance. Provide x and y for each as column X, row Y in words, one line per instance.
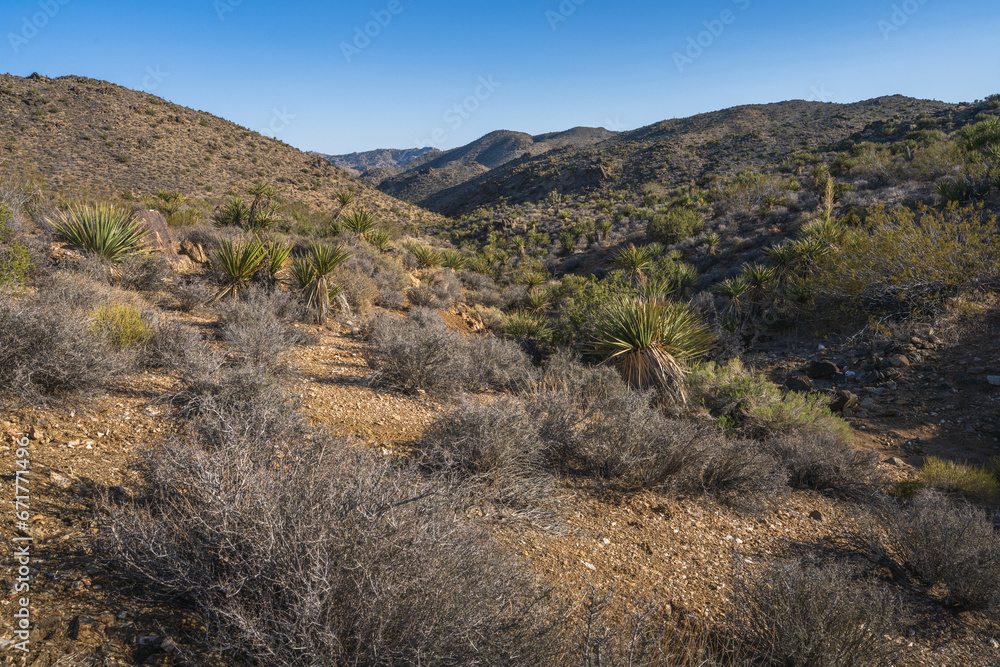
column 681, row 554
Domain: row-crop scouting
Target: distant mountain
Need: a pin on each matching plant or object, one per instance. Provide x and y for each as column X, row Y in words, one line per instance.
column 430, row 174
column 382, row 158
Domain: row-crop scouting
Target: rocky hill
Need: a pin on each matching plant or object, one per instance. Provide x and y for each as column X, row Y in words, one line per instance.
column 382, row 159
column 89, row 138
column 680, row 150
column 425, row 177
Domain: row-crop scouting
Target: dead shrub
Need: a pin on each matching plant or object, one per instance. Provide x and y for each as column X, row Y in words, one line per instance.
column 804, row 614
column 500, row 364
column 938, row 541
column 819, row 459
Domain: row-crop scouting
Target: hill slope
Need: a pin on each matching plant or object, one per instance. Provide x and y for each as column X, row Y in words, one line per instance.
column 90, row 138
column 679, row 150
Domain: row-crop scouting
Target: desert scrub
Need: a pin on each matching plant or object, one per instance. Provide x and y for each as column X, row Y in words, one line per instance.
column 757, row 407
column 417, row 353
column 15, row 259
column 806, row 614
column 315, row 555
column 937, row 541
column 495, row 449
column 675, row 225
column 50, row 351
column 125, row 325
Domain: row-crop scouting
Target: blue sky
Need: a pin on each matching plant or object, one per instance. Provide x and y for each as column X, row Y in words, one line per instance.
column 444, row 73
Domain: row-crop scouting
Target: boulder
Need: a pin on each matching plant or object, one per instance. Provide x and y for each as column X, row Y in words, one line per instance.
column 843, row 400
column 158, row 237
column 821, row 370
column 899, row 361
column 800, row 383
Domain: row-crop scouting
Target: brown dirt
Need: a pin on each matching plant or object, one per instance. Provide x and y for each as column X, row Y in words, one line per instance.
column 679, row 552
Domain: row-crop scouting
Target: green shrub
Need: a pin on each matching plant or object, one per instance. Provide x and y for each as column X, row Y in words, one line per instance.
column 125, row 325
column 974, row 481
column 15, row 260
column 903, row 261
column 675, row 225
column 758, row 407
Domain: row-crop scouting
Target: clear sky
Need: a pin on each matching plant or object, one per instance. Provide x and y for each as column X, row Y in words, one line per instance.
column 444, row 73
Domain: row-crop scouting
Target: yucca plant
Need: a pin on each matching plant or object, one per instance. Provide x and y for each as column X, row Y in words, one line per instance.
column 712, row 241
column 277, row 256
column 605, row 227
column 537, row 300
column 636, row 260
column 427, row 257
column 318, row 266
column 759, row 278
column 345, row 198
column 106, row 231
column 234, row 213
column 360, row 222
column 657, row 287
column 827, row 230
column 454, row 260
column 378, row 239
column 651, row 342
column 734, row 289
column 534, row 279
column 239, row 261
column 687, row 278
column 810, row 251
column 784, row 257
column 951, row 190
column 522, row 324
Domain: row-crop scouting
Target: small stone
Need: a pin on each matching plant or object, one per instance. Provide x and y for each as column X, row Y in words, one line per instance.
column 169, row 646
column 588, row 565
column 994, row 380
column 899, row 361
column 896, row 461
column 977, row 370
column 36, row 433
column 59, row 480
column 816, row 515
column 868, row 404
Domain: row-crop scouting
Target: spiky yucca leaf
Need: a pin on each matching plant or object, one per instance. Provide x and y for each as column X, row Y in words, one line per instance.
column 239, row 261
column 453, row 260
column 323, row 260
column 634, row 259
column 784, row 257
column 302, row 272
column 427, row 257
column 344, row 198
column 521, row 324
column 651, row 342
column 712, row 241
column 379, row 239
column 277, row 256
column 733, row 289
column 359, row 221
column 537, row 300
column 759, row 278
column 234, row 213
column 106, row 231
